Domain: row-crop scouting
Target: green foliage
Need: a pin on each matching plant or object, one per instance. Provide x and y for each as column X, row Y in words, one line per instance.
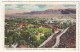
column 22, row 42
column 32, row 35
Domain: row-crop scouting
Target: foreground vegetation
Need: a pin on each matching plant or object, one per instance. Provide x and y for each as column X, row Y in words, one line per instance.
column 31, row 32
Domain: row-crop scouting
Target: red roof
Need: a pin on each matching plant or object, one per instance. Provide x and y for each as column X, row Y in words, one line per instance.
column 23, row 23
column 22, row 46
column 56, row 29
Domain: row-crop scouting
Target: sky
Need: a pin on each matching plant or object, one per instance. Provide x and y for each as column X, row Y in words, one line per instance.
column 14, row 8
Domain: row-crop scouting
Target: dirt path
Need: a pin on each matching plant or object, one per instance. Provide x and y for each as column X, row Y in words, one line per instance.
column 58, row 38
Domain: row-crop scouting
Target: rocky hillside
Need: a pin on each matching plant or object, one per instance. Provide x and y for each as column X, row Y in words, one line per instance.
column 68, row 39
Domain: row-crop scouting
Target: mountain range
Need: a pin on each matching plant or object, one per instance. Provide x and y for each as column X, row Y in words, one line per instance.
column 52, row 11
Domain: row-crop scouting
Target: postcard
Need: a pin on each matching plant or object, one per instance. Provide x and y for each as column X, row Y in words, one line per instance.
column 41, row 25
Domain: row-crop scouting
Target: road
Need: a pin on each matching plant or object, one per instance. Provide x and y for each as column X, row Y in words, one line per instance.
column 54, row 39
column 58, row 38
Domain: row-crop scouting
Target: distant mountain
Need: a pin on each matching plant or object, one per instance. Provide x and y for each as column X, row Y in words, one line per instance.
column 52, row 11
column 68, row 11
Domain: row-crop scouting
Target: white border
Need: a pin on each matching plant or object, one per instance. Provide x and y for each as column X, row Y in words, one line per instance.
column 2, row 17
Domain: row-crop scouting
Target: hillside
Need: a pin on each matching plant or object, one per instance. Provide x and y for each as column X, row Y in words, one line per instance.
column 68, row 39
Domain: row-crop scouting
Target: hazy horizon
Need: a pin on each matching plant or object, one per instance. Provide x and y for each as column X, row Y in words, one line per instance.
column 19, row 8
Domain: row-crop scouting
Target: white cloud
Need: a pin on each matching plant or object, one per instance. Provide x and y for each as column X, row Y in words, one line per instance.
column 58, row 7
column 24, row 7
column 32, row 7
